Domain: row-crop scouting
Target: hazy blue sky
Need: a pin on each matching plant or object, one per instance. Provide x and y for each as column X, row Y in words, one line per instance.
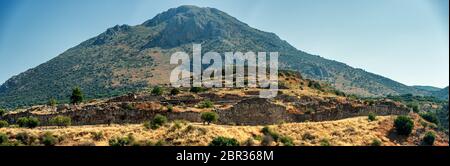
column 405, row 40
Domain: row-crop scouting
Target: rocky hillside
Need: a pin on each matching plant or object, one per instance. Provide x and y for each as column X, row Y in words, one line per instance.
column 304, row 113
column 128, row 58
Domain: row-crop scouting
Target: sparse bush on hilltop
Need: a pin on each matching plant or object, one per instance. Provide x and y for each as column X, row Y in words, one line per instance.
column 77, row 96
column 430, row 117
column 157, row 91
column 372, row 117
column 414, row 106
column 314, row 85
column 404, row 125
column 209, row 117
column 429, row 138
column 30, row 122
column 224, row 141
column 3, row 124
column 61, row 121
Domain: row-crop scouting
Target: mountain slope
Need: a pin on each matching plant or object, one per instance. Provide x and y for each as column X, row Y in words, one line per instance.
column 126, row 58
column 442, row 94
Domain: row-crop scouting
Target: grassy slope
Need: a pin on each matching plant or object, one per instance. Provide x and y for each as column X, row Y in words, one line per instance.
column 346, row 132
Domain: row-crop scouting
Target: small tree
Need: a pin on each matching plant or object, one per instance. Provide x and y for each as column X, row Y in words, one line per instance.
column 429, row 138
column 3, row 124
column 174, row 91
column 77, row 96
column 22, row 122
column 52, row 102
column 430, row 117
column 224, row 141
column 404, row 125
column 209, row 117
column 157, row 91
column 30, row 122
column 61, row 121
column 372, row 117
column 206, row 104
column 158, row 121
column 2, row 112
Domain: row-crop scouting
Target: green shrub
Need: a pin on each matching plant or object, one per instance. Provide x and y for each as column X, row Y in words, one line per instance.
column 61, row 121
column 160, row 143
column 129, row 106
column 287, row 141
column 376, row 142
column 197, row 89
column 52, row 102
column 3, row 138
column 158, row 121
column 174, row 91
column 30, row 122
column 414, row 106
column 404, row 125
column 325, row 142
column 430, row 117
column 122, row 141
column 2, row 112
column 3, row 124
column 97, row 136
column 48, row 139
column 206, row 104
column 224, row 141
column 169, row 108
column 267, row 131
column 25, row 138
column 429, row 138
column 315, row 85
column 209, row 117
column 157, row 91
column 77, row 96
column 372, row 117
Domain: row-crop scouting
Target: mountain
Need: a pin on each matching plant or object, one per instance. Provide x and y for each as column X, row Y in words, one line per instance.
column 442, row 94
column 427, row 88
column 126, row 58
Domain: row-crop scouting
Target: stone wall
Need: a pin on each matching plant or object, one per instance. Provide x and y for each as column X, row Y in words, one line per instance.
column 254, row 111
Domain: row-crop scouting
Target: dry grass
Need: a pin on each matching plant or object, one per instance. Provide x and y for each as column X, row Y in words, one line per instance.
column 356, row 131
